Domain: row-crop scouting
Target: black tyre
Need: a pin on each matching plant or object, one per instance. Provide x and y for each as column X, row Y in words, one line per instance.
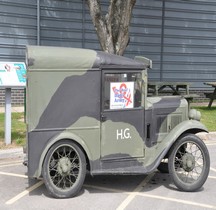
column 189, row 163
column 64, row 169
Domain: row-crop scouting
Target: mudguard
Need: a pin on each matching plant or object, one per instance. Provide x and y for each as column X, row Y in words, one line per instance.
column 64, row 135
column 189, row 126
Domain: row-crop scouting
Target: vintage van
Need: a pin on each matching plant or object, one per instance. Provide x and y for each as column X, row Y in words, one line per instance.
column 90, row 110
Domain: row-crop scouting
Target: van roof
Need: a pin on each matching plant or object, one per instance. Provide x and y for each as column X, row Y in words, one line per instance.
column 59, row 58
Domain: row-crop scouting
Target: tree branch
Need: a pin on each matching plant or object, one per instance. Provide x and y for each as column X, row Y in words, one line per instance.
column 98, row 20
column 113, row 29
column 123, row 35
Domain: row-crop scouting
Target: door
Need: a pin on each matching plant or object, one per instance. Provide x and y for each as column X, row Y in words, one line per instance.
column 122, row 116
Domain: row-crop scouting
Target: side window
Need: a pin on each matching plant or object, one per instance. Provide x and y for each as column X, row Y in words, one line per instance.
column 122, row 91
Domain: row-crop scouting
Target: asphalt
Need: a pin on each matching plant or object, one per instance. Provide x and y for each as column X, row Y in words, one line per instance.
column 17, row 153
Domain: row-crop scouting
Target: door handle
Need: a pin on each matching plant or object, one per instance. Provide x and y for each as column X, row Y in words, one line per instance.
column 103, row 118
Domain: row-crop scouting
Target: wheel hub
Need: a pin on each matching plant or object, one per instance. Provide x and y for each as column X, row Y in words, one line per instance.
column 64, row 166
column 188, row 162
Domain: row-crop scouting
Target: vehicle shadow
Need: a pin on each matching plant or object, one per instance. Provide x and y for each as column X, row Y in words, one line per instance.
column 118, row 184
column 128, row 183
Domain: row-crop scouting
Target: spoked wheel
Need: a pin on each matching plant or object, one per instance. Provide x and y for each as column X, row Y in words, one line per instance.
column 64, row 169
column 189, row 163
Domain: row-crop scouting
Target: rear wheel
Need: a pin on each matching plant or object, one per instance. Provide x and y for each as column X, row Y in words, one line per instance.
column 189, row 163
column 64, row 169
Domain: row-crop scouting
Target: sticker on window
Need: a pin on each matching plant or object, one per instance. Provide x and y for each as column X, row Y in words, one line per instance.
column 121, row 95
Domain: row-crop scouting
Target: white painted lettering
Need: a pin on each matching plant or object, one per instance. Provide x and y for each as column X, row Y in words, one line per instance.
column 123, row 134
column 127, row 133
column 119, row 134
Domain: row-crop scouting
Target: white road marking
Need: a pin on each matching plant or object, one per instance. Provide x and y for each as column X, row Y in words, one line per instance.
column 132, row 195
column 125, row 203
column 212, row 177
column 12, row 174
column 10, row 162
column 212, row 169
column 9, row 165
column 25, row 192
column 211, row 142
column 137, row 193
column 177, row 200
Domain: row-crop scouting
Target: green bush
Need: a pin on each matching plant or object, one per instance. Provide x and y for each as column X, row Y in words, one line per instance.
column 208, row 116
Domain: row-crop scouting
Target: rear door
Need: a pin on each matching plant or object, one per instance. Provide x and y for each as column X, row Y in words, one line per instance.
column 122, row 116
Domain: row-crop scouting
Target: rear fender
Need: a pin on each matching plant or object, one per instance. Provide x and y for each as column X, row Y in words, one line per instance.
column 64, row 135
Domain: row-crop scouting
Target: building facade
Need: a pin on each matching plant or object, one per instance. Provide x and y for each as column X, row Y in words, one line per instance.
column 179, row 36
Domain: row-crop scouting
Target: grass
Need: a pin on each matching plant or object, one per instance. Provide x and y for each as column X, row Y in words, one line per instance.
column 18, row 135
column 208, row 116
column 18, row 128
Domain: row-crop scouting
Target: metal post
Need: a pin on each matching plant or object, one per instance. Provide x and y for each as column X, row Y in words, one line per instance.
column 8, row 116
column 83, row 23
column 38, row 22
column 162, row 40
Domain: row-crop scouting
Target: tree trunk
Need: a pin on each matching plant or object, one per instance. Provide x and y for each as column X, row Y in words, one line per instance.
column 113, row 28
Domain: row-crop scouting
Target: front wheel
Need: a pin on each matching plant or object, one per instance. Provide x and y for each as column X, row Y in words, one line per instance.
column 64, row 169
column 189, row 163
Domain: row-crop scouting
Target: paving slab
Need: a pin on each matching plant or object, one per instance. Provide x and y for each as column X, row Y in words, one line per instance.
column 13, row 109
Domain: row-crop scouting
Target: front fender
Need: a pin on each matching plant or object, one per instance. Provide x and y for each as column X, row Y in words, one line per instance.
column 189, row 126
column 161, row 149
column 64, row 135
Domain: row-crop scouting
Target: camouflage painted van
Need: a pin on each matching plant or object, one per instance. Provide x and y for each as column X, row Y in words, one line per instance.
column 89, row 110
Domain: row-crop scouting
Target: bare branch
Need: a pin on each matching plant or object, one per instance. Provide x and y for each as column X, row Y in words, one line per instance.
column 103, row 30
column 123, row 35
column 98, row 21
